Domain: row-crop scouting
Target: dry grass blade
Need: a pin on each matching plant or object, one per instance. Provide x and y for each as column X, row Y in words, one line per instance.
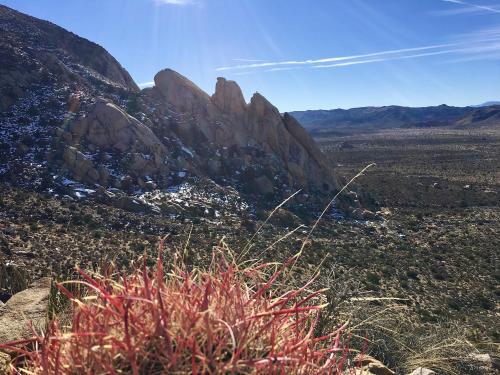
column 327, row 207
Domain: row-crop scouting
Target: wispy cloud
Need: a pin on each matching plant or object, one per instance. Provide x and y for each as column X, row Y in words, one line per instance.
column 469, row 7
column 146, row 84
column 248, row 60
column 281, row 69
column 480, row 45
column 349, row 63
column 174, row 2
column 412, row 56
column 332, row 59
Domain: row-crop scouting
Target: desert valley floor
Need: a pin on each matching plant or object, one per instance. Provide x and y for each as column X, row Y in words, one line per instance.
column 435, row 251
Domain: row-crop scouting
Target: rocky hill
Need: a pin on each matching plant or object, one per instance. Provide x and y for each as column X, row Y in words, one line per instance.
column 73, row 122
column 480, row 117
column 35, row 53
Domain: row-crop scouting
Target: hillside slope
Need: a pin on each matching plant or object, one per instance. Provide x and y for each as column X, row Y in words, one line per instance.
column 480, row 117
column 35, row 52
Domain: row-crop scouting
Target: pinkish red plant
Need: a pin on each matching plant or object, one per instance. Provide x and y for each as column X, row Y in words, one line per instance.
column 227, row 320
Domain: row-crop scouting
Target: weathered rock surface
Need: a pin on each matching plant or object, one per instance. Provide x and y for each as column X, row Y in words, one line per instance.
column 489, row 363
column 80, row 165
column 4, row 363
column 422, row 371
column 229, row 98
column 372, row 366
column 27, row 306
column 235, row 136
column 109, row 129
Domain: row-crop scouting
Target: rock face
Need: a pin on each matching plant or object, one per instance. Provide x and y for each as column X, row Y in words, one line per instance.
column 182, row 94
column 80, row 165
column 252, row 140
column 27, row 306
column 229, row 98
column 109, row 129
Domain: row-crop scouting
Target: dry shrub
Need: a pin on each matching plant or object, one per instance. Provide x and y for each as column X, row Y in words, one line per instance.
column 13, row 279
column 392, row 332
column 227, row 319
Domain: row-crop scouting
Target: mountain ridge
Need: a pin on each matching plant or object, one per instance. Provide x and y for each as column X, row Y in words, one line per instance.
column 375, row 118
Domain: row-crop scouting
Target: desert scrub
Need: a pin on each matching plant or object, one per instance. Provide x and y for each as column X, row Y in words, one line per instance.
column 12, row 278
column 228, row 318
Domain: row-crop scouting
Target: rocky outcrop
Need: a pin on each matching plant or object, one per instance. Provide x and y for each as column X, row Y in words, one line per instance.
column 319, row 170
column 110, row 128
column 182, row 94
column 229, row 98
column 253, row 141
column 107, row 128
column 109, row 133
column 81, row 165
column 25, row 308
column 487, row 363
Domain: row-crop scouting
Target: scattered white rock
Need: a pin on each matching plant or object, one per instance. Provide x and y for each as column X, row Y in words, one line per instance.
column 422, row 371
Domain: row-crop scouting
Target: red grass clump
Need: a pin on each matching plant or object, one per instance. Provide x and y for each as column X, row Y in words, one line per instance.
column 228, row 319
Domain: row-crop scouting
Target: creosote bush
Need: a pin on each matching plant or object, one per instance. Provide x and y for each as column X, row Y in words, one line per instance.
column 229, row 318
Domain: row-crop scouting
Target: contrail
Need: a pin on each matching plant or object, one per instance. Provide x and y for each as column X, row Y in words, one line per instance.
column 483, row 7
column 335, row 59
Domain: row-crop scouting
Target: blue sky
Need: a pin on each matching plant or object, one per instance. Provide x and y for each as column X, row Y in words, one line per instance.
column 302, row 54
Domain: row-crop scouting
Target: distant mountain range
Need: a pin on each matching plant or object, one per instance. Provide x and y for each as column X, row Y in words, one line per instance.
column 488, row 104
column 374, row 118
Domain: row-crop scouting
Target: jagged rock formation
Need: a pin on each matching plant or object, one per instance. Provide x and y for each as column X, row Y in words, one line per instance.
column 228, row 136
column 69, row 109
column 229, row 98
column 184, row 130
